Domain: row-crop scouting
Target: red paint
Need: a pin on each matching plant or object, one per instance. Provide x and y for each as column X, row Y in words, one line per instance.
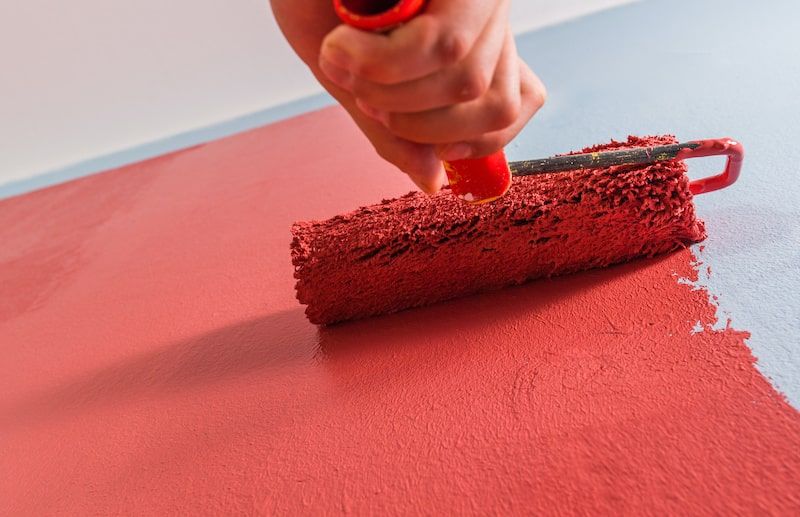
column 156, row 361
column 478, row 180
column 715, row 147
column 418, row 250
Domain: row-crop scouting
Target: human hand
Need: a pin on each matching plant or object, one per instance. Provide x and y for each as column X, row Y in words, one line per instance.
column 447, row 85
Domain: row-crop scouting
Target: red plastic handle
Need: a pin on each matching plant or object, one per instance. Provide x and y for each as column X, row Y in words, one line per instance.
column 377, row 15
column 716, row 147
column 479, row 180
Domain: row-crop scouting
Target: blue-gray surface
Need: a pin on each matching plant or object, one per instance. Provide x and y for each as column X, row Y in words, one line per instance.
column 697, row 69
column 158, row 147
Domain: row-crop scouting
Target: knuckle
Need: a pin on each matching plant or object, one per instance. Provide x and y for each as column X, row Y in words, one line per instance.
column 473, row 85
column 453, row 45
column 533, row 90
column 488, row 144
column 539, row 97
column 505, row 112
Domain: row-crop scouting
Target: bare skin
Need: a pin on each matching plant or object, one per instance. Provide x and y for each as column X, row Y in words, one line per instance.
column 447, row 85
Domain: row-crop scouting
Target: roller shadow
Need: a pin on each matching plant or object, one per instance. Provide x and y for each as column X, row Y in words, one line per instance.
column 472, row 314
column 285, row 339
column 271, row 342
column 431, row 348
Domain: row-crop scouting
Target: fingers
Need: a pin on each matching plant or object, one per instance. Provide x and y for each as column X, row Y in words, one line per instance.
column 448, row 85
column 413, row 51
column 440, row 37
column 419, row 161
column 467, row 80
column 533, row 96
column 497, row 109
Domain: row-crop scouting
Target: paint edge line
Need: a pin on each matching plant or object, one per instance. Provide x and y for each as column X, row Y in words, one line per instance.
column 161, row 146
column 217, row 130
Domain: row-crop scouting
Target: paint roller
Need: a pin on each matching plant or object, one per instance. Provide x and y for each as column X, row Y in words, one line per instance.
column 606, row 205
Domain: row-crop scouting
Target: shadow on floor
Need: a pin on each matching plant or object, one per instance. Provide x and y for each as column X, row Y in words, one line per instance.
column 286, row 339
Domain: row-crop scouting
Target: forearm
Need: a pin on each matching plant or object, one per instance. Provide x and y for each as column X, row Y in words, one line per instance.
column 305, row 23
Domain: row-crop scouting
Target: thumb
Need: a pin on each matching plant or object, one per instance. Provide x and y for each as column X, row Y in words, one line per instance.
column 419, row 161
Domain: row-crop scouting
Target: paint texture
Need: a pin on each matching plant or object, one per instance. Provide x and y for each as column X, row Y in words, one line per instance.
column 418, row 250
column 155, row 360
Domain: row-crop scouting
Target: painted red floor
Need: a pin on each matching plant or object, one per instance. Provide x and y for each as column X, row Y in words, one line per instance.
column 155, row 360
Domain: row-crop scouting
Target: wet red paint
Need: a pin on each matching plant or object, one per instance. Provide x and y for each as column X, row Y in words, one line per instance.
column 418, row 250
column 155, row 360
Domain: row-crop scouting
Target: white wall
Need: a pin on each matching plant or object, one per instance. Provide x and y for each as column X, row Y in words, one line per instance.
column 89, row 77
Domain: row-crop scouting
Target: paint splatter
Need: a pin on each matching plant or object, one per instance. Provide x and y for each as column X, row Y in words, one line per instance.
column 172, row 371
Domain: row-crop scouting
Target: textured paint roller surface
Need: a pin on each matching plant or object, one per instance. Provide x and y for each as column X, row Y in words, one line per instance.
column 418, row 250
column 155, row 361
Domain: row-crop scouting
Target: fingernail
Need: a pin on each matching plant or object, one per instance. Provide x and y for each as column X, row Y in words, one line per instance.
column 337, row 56
column 338, row 76
column 433, row 185
column 459, row 151
column 441, row 179
column 425, row 185
column 370, row 111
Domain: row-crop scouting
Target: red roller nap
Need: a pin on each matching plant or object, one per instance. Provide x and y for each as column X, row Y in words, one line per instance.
column 418, row 250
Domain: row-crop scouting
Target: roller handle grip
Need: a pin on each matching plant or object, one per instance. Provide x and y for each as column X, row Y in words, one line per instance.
column 478, row 180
